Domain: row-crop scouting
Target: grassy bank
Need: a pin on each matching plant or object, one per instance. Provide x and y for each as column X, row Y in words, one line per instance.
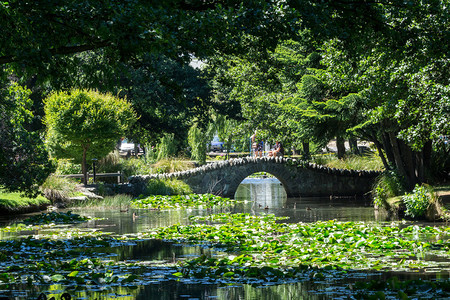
column 17, row 203
column 350, row 162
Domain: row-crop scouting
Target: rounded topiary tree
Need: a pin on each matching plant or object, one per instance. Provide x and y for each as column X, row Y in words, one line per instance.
column 85, row 124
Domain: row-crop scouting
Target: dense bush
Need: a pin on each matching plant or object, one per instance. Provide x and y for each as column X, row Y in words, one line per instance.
column 171, row 165
column 417, row 203
column 167, row 187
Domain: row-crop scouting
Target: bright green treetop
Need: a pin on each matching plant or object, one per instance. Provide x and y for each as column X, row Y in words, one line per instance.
column 85, row 124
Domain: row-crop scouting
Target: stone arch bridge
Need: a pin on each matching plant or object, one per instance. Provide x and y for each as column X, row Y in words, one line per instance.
column 299, row 178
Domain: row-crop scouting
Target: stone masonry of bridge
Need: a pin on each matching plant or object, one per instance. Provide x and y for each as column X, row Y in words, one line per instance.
column 299, row 178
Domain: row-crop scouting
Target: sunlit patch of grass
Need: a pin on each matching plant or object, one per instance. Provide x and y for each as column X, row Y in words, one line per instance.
column 351, row 162
column 16, row 201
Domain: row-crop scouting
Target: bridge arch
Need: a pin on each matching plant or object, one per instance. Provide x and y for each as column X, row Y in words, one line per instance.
column 299, row 178
column 253, row 188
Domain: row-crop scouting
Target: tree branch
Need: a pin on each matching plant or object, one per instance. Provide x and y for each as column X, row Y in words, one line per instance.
column 61, row 50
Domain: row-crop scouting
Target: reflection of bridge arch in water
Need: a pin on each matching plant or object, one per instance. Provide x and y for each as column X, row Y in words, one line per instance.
column 262, row 192
column 299, row 178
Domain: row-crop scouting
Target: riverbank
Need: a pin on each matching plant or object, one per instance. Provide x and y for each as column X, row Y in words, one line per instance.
column 438, row 208
column 16, row 203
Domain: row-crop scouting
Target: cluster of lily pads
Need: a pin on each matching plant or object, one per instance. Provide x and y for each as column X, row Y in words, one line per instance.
column 253, row 250
column 181, row 201
column 55, row 218
column 345, row 245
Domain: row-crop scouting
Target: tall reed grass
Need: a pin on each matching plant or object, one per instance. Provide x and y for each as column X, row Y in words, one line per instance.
column 172, row 165
column 350, row 162
column 56, row 188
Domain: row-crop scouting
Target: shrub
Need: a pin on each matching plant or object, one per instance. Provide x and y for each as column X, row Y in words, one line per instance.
column 417, row 203
column 167, row 146
column 387, row 185
column 66, row 167
column 56, row 188
column 167, row 187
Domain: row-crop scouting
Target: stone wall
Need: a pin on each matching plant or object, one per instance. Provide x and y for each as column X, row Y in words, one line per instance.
column 299, row 178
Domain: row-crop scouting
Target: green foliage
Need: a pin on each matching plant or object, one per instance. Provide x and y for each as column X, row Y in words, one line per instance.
column 135, row 166
column 166, row 147
column 66, row 167
column 83, row 125
column 350, row 162
column 387, row 185
column 167, row 187
column 418, row 202
column 24, row 162
column 181, row 201
column 57, row 188
column 85, row 121
column 55, row 218
column 197, row 140
column 16, row 201
column 261, row 242
column 171, row 165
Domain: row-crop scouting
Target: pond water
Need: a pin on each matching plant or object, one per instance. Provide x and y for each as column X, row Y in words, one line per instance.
column 263, row 195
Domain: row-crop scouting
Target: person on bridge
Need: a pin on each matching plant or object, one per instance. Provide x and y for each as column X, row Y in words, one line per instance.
column 278, row 151
column 259, row 149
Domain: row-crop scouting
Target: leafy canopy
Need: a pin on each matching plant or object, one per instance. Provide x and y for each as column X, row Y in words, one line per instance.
column 85, row 124
column 28, row 167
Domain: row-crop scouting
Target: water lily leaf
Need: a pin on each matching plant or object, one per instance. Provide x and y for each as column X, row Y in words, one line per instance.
column 130, row 278
column 57, row 277
column 178, row 274
column 73, row 274
column 228, row 274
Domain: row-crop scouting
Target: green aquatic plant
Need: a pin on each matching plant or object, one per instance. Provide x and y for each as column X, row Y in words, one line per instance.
column 181, row 201
column 346, row 245
column 109, row 202
column 56, row 218
column 256, row 249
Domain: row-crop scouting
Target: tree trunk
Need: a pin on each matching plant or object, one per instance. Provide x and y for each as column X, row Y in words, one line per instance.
column 353, row 142
column 380, row 153
column 84, row 166
column 396, row 152
column 388, row 148
column 306, row 152
column 409, row 163
column 426, row 158
column 340, row 145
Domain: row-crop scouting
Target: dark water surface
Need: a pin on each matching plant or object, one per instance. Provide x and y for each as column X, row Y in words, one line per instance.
column 263, row 196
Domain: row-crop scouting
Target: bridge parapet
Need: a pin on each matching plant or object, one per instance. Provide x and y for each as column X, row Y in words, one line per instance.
column 299, row 178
